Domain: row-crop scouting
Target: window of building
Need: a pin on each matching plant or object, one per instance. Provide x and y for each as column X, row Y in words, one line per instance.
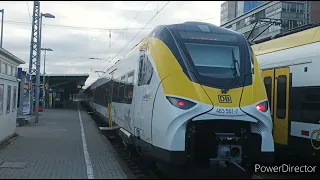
column 301, row 8
column 8, row 98
column 269, row 9
column 14, row 71
column 277, row 6
column 3, row 68
column 233, row 27
column 247, row 21
column 9, row 69
column 260, row 14
column 1, row 98
column 238, row 25
column 285, row 7
column 290, row 24
column 297, row 8
column 289, row 7
column 14, row 98
column 294, row 7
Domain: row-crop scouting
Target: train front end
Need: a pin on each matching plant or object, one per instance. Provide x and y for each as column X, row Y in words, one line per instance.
column 212, row 108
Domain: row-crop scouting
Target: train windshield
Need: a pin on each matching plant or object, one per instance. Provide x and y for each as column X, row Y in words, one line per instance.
column 213, row 55
column 217, row 61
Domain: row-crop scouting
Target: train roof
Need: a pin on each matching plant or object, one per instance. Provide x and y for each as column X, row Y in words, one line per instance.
column 186, row 26
column 201, row 27
column 191, row 26
column 301, row 38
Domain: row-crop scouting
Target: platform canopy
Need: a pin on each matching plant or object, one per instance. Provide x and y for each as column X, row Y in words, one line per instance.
column 71, row 83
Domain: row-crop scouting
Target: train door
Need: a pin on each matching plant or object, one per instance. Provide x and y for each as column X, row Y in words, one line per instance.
column 138, row 94
column 277, row 87
column 149, row 89
column 110, row 94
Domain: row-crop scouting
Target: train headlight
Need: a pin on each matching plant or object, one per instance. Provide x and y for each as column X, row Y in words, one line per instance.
column 263, row 107
column 181, row 103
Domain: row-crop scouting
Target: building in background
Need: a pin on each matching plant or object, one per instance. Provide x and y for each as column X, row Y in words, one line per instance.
column 233, row 9
column 293, row 14
column 314, row 7
column 250, row 5
column 228, row 11
column 8, row 93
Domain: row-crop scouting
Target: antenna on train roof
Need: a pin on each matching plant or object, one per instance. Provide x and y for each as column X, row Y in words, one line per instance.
column 269, row 21
column 291, row 31
column 99, row 72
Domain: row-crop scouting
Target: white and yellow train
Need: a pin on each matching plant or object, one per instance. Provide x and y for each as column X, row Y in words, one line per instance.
column 190, row 92
column 290, row 68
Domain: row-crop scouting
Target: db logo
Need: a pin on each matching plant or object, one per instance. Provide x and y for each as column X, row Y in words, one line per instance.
column 224, row 98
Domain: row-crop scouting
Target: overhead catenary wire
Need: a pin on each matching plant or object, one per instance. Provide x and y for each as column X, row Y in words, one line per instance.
column 138, row 33
column 71, row 66
column 82, row 57
column 78, row 57
column 73, row 27
column 128, row 25
column 80, row 27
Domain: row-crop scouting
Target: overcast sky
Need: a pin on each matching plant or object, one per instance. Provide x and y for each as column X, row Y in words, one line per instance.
column 88, row 35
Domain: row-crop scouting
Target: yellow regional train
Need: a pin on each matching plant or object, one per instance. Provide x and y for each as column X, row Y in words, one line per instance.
column 188, row 93
column 291, row 70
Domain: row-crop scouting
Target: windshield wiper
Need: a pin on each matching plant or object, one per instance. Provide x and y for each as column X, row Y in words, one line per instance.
column 236, row 74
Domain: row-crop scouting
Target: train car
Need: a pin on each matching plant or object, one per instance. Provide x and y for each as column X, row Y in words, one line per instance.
column 189, row 93
column 290, row 69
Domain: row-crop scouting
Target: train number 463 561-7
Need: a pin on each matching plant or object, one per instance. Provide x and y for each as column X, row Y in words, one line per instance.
column 227, row 111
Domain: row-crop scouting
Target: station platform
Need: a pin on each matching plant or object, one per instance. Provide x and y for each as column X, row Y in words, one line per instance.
column 65, row 144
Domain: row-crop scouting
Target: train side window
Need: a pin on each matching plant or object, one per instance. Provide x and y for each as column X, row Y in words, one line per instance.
column 148, row 71
column 105, row 93
column 125, row 88
column 129, row 88
column 1, row 98
column 109, row 90
column 8, row 98
column 141, row 73
column 121, row 91
column 115, row 92
column 97, row 95
column 268, row 85
column 281, row 96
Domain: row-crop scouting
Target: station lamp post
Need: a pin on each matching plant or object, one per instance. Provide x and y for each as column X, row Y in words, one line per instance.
column 46, row 15
column 100, row 59
column 44, row 76
column 2, row 11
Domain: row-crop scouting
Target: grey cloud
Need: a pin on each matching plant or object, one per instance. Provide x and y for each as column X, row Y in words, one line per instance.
column 72, row 46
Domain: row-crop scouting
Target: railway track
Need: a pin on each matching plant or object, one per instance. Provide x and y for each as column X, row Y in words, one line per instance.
column 140, row 168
